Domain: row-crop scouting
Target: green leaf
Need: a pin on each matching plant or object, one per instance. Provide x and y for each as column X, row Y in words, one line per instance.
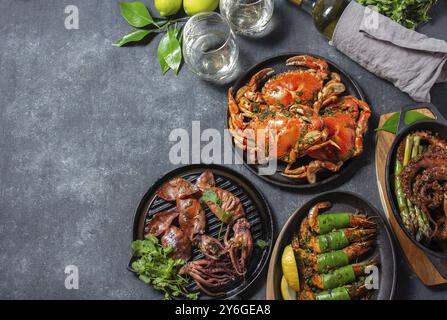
column 136, row 14
column 145, row 279
column 414, row 116
column 225, row 216
column 155, row 267
column 261, row 244
column 160, row 54
column 391, row 124
column 409, row 13
column 173, row 50
column 132, row 36
column 411, row 117
column 210, row 196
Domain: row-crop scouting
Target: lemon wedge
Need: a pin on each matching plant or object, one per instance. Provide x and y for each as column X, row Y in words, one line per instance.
column 287, row 292
column 290, row 269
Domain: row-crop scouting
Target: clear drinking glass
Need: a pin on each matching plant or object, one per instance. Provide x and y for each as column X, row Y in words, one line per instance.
column 209, row 46
column 247, row 17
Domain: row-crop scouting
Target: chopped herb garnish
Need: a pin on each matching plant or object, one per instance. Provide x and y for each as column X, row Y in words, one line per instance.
column 264, row 114
column 261, row 244
column 225, row 216
column 154, row 266
column 287, row 113
column 210, row 196
column 279, row 103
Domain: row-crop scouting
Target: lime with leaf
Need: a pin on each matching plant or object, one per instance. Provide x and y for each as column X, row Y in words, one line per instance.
column 193, row 7
column 168, row 7
column 169, row 53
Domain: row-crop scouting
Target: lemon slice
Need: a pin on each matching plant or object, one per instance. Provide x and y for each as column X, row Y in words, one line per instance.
column 290, row 269
column 287, row 292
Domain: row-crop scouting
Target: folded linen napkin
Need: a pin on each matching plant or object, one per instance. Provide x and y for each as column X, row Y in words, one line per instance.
column 412, row 61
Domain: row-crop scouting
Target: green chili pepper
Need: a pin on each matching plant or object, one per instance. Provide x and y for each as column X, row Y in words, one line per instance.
column 332, row 241
column 332, row 259
column 334, row 294
column 339, row 277
column 330, row 221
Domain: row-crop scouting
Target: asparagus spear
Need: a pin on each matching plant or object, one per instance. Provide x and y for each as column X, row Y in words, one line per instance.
column 422, row 220
column 411, row 210
column 401, row 200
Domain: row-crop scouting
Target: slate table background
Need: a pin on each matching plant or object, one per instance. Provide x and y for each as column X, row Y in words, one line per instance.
column 84, row 133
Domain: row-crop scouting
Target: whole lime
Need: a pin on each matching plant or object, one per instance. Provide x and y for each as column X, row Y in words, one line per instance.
column 168, row 7
column 193, row 7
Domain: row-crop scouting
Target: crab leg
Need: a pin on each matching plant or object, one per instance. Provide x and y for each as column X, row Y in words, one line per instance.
column 310, row 171
column 248, row 97
column 244, row 138
column 236, row 117
column 362, row 126
column 319, row 65
column 330, row 92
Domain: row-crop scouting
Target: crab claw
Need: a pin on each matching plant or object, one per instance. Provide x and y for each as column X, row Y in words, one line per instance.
column 310, row 62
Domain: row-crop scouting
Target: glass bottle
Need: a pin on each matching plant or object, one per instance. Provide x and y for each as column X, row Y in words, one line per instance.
column 325, row 13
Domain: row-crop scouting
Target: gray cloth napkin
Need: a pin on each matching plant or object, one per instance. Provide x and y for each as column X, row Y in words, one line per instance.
column 412, row 61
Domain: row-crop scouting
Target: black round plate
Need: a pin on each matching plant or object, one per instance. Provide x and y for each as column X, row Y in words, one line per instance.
column 437, row 126
column 347, row 202
column 278, row 63
column 255, row 206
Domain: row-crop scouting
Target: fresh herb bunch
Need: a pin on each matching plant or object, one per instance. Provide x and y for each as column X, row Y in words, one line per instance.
column 155, row 267
column 169, row 52
column 409, row 13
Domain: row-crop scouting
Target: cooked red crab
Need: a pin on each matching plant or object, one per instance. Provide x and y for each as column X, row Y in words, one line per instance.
column 285, row 116
column 346, row 120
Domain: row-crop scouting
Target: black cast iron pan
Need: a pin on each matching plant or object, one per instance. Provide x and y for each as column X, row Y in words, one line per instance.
column 437, row 126
column 278, row 63
column 255, row 206
column 341, row 202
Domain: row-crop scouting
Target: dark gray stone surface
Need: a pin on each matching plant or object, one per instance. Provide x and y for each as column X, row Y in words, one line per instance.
column 84, row 134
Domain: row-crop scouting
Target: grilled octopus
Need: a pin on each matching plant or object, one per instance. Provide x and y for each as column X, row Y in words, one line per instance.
column 160, row 222
column 222, row 262
column 240, row 246
column 209, row 274
column 178, row 241
column 176, row 188
column 191, row 218
column 424, row 179
column 229, row 203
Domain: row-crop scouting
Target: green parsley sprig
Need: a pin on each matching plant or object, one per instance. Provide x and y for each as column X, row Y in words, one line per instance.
column 409, row 13
column 155, row 267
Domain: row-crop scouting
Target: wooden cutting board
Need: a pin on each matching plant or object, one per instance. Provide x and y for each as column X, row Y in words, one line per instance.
column 417, row 259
